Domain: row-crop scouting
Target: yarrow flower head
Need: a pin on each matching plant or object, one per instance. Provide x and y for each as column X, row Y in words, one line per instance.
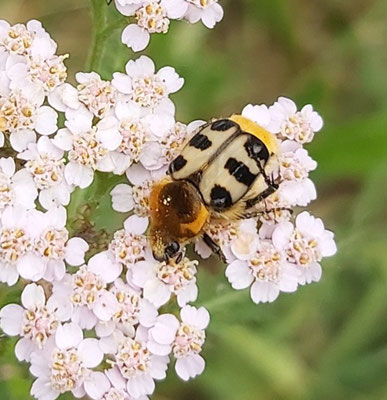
column 87, row 268
column 154, row 16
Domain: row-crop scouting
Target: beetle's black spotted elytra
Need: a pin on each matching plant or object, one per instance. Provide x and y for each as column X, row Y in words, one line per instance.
column 200, row 142
column 256, row 149
column 220, row 198
column 222, row 125
column 177, row 164
column 240, row 171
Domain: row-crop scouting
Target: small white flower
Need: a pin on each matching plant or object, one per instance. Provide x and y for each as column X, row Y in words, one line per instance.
column 260, row 114
column 35, row 322
column 185, row 339
column 128, row 245
column 45, row 165
column 162, row 279
column 63, row 365
column 136, row 365
column 97, row 95
column 305, row 245
column 89, row 147
column 209, row 11
column 133, row 310
column 289, row 123
column 148, row 89
column 267, row 271
column 16, row 189
column 21, row 113
column 86, row 290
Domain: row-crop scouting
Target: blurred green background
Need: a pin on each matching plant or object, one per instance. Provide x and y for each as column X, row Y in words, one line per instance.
column 329, row 340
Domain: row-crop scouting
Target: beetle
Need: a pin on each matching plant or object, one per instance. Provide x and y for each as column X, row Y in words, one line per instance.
column 221, row 172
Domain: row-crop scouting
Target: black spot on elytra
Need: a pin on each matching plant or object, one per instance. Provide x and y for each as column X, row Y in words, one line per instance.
column 240, row 172
column 223, row 125
column 200, row 142
column 177, row 164
column 220, row 198
column 256, row 149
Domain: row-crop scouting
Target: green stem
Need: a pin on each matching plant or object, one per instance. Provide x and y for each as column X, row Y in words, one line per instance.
column 98, row 22
column 102, row 30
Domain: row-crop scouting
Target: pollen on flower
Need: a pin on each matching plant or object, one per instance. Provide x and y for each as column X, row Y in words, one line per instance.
column 6, row 192
column 46, row 171
column 52, row 243
column 127, row 247
column 98, row 96
column 87, row 150
column 297, row 127
column 303, row 250
column 148, row 91
column 87, row 287
column 50, row 73
column 129, row 303
column 16, row 112
column 273, row 209
column 115, row 394
column 67, row 370
column 134, row 136
column 141, row 195
column 18, row 40
column 152, row 17
column 202, row 3
column 265, row 264
column 14, row 243
column 173, row 141
column 177, row 275
column 132, row 358
column 189, row 340
column 38, row 325
column 222, row 232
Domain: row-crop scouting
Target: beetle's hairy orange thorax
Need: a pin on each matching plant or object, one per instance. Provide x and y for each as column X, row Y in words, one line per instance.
column 176, row 210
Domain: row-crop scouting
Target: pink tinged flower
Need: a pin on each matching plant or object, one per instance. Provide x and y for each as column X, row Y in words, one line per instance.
column 138, row 366
column 128, row 245
column 305, row 245
column 35, row 322
column 15, row 245
column 16, row 189
column 142, row 180
column 267, row 271
column 65, row 364
column 289, row 123
column 162, row 279
column 97, row 95
column 189, row 340
column 209, row 11
column 151, row 17
column 133, row 309
column 87, row 291
column 147, row 89
column 162, row 334
column 45, row 166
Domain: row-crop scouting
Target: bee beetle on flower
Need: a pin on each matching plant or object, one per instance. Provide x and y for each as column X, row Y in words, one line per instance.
column 221, row 173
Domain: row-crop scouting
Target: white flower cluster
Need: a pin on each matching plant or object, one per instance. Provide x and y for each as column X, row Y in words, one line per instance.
column 108, row 126
column 126, row 126
column 154, row 16
column 266, row 252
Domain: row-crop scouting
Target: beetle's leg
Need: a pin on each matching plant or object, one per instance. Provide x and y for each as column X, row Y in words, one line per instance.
column 272, row 187
column 108, row 2
column 214, row 247
column 256, row 213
